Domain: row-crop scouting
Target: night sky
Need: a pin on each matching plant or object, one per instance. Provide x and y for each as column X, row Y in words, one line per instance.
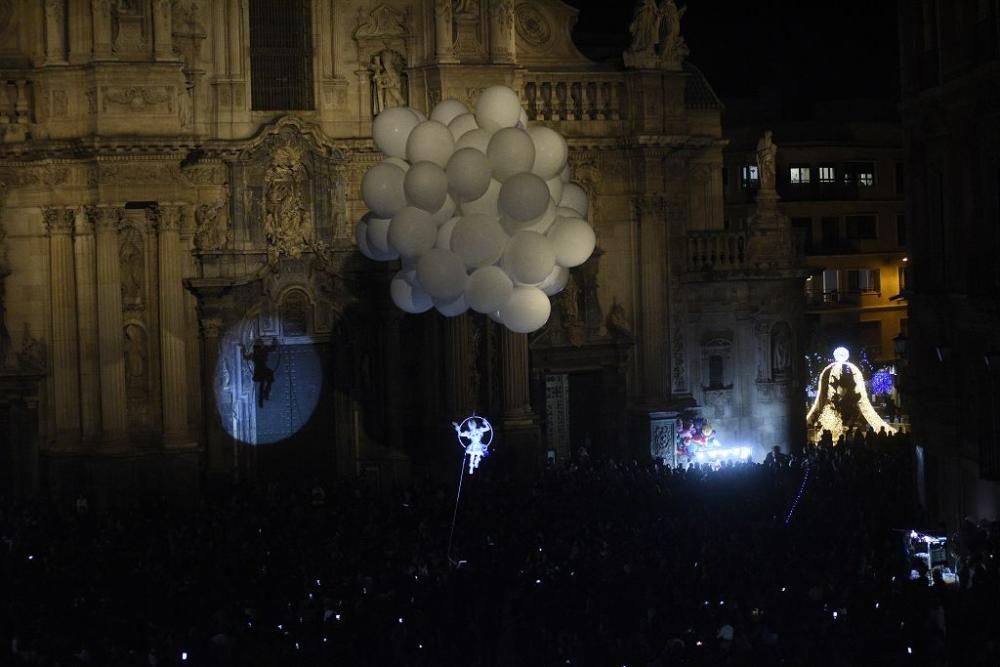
column 803, row 52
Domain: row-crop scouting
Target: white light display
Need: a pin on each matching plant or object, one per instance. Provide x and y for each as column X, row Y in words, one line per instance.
column 472, row 437
column 464, row 192
column 835, row 379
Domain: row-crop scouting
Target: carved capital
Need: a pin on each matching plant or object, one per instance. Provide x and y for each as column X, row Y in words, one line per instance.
column 106, row 219
column 165, row 217
column 210, row 327
column 58, row 220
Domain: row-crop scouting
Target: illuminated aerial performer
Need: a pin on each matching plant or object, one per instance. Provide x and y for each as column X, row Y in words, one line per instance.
column 475, row 428
column 842, row 400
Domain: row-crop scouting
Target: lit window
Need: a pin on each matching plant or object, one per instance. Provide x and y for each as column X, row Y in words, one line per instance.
column 860, row 173
column 864, row 281
column 749, row 176
column 828, row 174
column 799, row 174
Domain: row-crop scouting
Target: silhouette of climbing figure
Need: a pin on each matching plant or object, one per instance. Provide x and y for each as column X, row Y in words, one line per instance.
column 263, row 375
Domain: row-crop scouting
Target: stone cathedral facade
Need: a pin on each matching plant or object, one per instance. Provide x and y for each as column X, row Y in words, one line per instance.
column 179, row 183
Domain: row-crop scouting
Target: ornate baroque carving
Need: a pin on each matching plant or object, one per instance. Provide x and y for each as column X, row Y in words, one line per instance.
column 213, row 231
column 531, row 25
column 139, row 99
column 382, row 22
column 288, row 223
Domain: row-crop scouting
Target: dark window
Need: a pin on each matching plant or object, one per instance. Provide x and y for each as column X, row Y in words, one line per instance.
column 281, row 55
column 831, row 231
column 715, row 372
column 803, row 233
column 900, row 178
column 725, row 177
column 749, row 177
column 900, row 229
column 870, row 334
column 861, row 227
column 799, row 174
column 827, row 173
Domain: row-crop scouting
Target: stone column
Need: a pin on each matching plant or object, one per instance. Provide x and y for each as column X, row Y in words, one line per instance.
column 163, row 46
column 114, row 419
column 173, row 360
column 80, row 32
column 217, row 439
column 502, row 46
column 458, row 367
column 101, row 13
column 86, row 323
column 653, row 297
column 55, row 33
column 65, row 364
column 444, row 40
column 521, row 435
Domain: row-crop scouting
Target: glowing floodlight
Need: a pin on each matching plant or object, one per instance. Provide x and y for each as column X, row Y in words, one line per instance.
column 841, row 355
column 474, row 436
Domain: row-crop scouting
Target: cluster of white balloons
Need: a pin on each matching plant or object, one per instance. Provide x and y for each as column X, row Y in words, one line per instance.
column 478, row 206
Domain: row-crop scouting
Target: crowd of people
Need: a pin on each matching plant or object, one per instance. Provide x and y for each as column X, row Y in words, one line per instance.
column 795, row 560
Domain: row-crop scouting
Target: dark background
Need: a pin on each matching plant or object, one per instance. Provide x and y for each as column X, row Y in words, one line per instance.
column 798, row 51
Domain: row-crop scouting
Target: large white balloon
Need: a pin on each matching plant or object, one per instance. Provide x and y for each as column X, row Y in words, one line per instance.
column 412, row 232
column 430, row 141
column 488, row 289
column 442, row 274
column 485, row 205
column 448, row 110
column 527, row 310
column 468, row 173
column 523, row 197
column 556, row 187
column 408, row 297
column 451, row 308
column 478, row 139
column 378, row 236
column 556, row 281
column 573, row 241
column 382, row 190
column 478, row 239
column 446, row 212
column 426, row 186
column 498, row 107
column 541, row 224
column 529, row 257
column 361, row 236
column 392, row 128
column 510, row 151
column 444, row 234
column 399, row 162
column 551, row 151
column 462, row 124
column 574, row 197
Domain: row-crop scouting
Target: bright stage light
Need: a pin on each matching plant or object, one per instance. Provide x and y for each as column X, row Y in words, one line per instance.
column 471, row 433
column 714, row 454
column 841, row 354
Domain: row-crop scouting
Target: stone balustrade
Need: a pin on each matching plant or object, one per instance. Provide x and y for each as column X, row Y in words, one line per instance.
column 716, row 251
column 15, row 107
column 574, row 96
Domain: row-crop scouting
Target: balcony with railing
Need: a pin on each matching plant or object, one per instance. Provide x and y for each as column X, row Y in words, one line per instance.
column 575, row 97
column 716, row 251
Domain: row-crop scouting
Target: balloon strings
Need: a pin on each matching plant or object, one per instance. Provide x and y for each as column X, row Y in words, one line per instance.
column 454, row 515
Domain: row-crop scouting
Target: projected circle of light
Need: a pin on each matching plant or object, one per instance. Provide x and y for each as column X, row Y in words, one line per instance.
column 471, row 433
column 295, row 372
column 836, row 382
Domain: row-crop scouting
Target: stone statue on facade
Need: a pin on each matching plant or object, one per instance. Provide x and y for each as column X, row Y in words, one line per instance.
column 766, row 152
column 213, row 222
column 288, row 221
column 673, row 49
column 645, row 27
column 781, row 350
column 617, row 321
column 387, row 81
column 466, row 7
column 32, row 356
column 656, row 36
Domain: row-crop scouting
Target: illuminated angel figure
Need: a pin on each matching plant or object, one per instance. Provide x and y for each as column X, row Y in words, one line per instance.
column 471, row 433
column 842, row 403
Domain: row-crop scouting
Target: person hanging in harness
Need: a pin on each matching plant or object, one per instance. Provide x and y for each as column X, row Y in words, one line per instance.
column 262, row 373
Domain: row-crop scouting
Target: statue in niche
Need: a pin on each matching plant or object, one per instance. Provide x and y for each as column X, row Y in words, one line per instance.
column 781, row 350
column 766, row 152
column 32, row 356
column 387, row 81
column 135, row 354
column 672, row 46
column 263, row 375
column 288, row 223
column 132, row 266
column 213, row 222
column 469, row 7
column 645, row 27
column 617, row 322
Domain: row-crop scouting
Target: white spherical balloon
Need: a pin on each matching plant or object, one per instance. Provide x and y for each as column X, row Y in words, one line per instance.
column 444, row 234
column 556, row 281
column 468, row 173
column 430, row 141
column 378, row 236
column 542, row 223
column 564, row 212
column 527, row 310
column 412, row 232
column 556, row 187
column 361, row 236
column 573, row 241
column 478, row 239
column 382, row 190
column 574, row 197
column 551, row 151
column 442, row 274
column 522, row 120
column 462, row 124
column 426, row 186
column 495, row 316
column 510, row 151
column 446, row 212
column 420, row 115
column 451, row 308
column 498, row 107
column 488, row 289
column 407, row 297
column 529, row 257
column 391, row 130
column 478, row 139
column 564, row 175
column 448, row 110
column 523, row 197
column 485, row 205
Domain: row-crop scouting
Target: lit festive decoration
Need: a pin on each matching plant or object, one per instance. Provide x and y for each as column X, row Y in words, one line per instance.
column 798, row 497
column 842, row 400
column 471, row 433
column 881, row 382
column 478, row 206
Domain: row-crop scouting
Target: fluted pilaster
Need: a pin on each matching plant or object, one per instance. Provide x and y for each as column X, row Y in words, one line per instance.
column 114, row 419
column 173, row 360
column 65, row 363
column 101, row 22
column 445, row 44
column 163, row 45
column 458, row 366
column 86, row 323
column 55, row 32
column 502, row 46
column 652, row 289
column 514, row 360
